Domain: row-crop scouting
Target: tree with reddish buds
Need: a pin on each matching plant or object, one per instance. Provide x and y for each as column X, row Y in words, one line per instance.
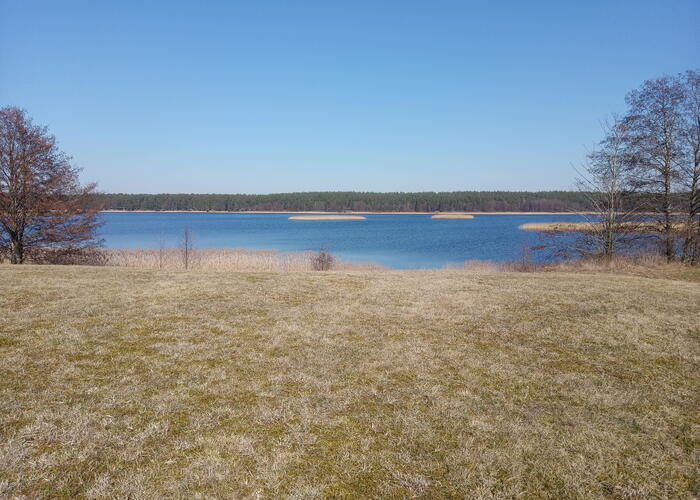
column 44, row 210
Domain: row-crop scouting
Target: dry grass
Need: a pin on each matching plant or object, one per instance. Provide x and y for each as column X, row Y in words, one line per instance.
column 226, row 260
column 132, row 383
column 452, row 215
column 477, row 266
column 632, row 227
column 327, row 217
column 648, row 265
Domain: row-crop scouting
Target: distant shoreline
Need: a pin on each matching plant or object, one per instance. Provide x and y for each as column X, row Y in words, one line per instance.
column 349, row 212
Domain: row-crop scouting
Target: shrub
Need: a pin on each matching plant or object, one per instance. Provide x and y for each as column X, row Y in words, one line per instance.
column 323, row 260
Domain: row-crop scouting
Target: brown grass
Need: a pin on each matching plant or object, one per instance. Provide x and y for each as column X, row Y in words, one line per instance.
column 648, row 265
column 452, row 215
column 636, row 227
column 133, row 383
column 327, row 217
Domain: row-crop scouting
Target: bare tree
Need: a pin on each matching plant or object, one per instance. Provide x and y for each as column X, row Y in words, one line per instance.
column 607, row 183
column 653, row 123
column 43, row 207
column 690, row 169
column 187, row 247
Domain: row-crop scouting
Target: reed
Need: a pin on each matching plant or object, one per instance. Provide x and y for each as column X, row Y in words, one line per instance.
column 226, row 259
column 591, row 227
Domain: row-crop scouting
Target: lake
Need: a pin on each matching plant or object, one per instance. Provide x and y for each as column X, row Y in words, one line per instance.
column 401, row 241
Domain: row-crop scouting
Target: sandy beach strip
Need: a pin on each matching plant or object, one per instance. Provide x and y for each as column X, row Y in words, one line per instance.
column 327, row 217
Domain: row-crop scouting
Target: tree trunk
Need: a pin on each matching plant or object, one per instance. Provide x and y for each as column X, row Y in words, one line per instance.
column 668, row 213
column 691, row 237
column 691, row 242
column 695, row 259
column 17, row 251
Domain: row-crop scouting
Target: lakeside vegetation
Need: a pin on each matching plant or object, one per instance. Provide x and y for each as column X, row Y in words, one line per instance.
column 143, row 383
column 597, row 227
column 338, row 201
column 228, row 260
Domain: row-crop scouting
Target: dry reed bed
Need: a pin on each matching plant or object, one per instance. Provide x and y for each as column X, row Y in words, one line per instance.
column 225, row 259
column 132, row 383
column 632, row 227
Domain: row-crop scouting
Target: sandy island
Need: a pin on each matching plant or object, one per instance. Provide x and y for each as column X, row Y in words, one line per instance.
column 327, row 217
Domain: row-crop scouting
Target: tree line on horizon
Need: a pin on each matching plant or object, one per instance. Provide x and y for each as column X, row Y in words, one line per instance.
column 338, row 201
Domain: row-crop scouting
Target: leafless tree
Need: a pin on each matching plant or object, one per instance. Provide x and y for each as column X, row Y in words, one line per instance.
column 653, row 124
column 187, row 247
column 43, row 207
column 606, row 181
column 690, row 169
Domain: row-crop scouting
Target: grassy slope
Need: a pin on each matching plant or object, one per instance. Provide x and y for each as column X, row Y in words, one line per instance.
column 117, row 382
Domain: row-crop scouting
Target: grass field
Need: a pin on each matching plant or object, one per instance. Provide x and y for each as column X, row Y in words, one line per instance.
column 119, row 382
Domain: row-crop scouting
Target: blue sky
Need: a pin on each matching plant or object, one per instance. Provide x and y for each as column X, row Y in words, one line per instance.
column 262, row 96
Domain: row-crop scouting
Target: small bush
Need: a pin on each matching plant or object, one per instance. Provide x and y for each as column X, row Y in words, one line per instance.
column 323, row 260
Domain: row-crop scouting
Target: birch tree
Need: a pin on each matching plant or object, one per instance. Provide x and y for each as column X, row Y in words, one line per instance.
column 654, row 126
column 690, row 169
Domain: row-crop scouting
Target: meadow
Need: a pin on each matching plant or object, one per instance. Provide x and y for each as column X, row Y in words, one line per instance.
column 139, row 383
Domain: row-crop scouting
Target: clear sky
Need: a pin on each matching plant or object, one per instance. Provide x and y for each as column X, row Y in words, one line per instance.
column 258, row 96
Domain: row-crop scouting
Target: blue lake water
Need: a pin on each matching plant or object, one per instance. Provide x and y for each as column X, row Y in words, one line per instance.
column 401, row 241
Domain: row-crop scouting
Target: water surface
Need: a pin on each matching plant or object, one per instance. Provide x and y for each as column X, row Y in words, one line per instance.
column 401, row 241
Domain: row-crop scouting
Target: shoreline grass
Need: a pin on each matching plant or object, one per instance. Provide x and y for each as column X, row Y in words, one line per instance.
column 225, row 260
column 632, row 227
column 123, row 382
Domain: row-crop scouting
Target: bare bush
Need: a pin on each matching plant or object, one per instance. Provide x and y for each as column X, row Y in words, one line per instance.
column 323, row 260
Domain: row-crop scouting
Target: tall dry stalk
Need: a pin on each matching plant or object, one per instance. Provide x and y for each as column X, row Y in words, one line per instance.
column 186, row 246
